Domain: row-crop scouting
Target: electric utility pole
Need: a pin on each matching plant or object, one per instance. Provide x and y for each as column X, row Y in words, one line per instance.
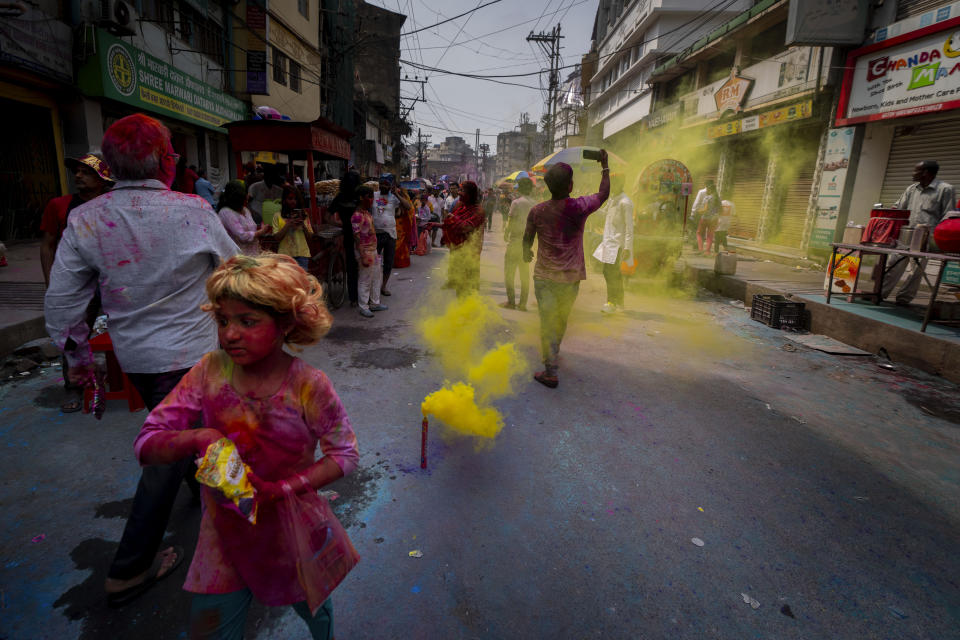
column 550, row 44
column 484, row 148
column 476, row 158
column 415, row 99
column 422, row 141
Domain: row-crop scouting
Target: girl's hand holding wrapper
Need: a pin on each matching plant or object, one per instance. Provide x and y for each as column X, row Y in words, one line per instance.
column 309, row 524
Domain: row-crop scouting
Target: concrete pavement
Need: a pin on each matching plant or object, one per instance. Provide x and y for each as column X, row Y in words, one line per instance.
column 822, row 487
column 21, row 296
column 885, row 328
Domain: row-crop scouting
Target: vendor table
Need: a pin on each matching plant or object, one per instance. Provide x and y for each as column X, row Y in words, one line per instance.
column 917, row 257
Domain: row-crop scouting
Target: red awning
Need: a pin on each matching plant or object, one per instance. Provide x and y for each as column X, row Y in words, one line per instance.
column 285, row 136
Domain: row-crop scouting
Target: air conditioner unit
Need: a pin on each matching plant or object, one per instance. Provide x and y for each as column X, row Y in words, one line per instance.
column 118, row 17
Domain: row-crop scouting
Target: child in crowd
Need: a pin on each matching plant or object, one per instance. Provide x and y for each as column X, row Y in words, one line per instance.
column 369, row 262
column 727, row 211
column 276, row 409
column 292, row 227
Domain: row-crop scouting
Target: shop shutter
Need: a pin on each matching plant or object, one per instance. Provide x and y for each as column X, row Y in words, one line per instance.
column 907, row 8
column 911, row 144
column 746, row 188
column 790, row 214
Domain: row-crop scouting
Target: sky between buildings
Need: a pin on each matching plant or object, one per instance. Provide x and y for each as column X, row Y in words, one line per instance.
column 491, row 40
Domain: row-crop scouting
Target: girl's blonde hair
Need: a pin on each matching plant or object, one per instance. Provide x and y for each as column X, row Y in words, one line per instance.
column 278, row 285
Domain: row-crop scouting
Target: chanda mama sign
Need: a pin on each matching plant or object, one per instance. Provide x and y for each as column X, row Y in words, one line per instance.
column 917, row 72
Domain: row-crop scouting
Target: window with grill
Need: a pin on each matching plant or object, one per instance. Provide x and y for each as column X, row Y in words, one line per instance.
column 185, row 24
column 279, row 67
column 295, row 76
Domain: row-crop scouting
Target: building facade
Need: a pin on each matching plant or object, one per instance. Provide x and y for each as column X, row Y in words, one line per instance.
column 171, row 63
column 898, row 105
column 569, row 112
column 378, row 126
column 36, row 76
column 630, row 38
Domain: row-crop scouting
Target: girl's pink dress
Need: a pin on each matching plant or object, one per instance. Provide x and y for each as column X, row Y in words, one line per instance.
column 276, row 437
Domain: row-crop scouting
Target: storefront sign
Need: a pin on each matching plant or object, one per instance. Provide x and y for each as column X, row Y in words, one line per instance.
column 827, row 22
column 833, row 177
column 122, row 72
column 908, row 75
column 917, row 21
column 766, row 119
column 37, row 42
column 732, row 93
column 951, row 274
column 257, row 21
column 659, row 118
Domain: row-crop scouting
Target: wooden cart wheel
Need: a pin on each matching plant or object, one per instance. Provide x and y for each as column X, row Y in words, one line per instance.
column 336, row 289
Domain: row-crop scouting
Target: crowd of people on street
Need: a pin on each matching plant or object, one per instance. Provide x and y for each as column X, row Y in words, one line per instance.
column 199, row 314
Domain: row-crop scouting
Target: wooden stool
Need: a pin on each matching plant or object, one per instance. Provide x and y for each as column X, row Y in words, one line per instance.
column 115, row 378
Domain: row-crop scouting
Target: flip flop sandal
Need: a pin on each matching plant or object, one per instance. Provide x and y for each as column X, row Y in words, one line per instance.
column 546, row 380
column 122, row 598
column 72, row 406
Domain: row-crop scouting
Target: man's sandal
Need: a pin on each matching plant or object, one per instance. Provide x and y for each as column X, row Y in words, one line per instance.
column 122, row 598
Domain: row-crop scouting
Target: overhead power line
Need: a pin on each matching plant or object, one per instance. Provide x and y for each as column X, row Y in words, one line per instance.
column 437, row 24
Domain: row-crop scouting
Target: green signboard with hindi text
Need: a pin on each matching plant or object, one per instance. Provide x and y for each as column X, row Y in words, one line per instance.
column 122, row 72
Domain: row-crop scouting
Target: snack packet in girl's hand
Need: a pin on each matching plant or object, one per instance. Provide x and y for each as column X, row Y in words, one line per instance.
column 222, row 468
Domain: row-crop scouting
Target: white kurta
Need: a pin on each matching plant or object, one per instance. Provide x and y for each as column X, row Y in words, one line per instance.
column 617, row 228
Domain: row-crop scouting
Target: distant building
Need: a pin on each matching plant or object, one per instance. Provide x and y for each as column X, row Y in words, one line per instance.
column 519, row 149
column 569, row 113
column 377, row 125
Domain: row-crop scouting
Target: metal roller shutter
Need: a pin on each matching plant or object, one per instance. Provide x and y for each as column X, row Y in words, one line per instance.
column 793, row 196
column 794, row 212
column 907, row 8
column 746, row 188
column 911, row 144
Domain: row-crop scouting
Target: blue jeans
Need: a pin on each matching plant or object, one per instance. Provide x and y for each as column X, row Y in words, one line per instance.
column 222, row 616
column 554, row 302
column 304, row 263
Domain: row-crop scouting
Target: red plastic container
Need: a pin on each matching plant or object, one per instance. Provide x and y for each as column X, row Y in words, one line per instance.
column 884, row 226
column 947, row 235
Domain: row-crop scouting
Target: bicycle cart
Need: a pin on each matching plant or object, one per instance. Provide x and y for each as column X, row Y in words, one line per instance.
column 328, row 263
column 313, row 142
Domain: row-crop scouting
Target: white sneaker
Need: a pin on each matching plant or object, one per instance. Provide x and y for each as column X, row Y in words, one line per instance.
column 609, row 307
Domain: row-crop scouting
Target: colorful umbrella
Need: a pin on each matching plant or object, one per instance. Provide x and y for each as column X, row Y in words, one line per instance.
column 516, row 175
column 573, row 156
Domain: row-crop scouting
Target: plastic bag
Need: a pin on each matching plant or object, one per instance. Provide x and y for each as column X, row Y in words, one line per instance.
column 423, row 243
column 324, row 553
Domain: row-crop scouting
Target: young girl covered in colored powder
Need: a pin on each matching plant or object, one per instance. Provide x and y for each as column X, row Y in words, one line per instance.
column 369, row 262
column 293, row 227
column 276, row 409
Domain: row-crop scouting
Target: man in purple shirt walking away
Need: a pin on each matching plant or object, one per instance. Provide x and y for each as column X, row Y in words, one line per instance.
column 560, row 267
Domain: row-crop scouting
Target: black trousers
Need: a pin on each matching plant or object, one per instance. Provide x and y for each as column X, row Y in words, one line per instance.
column 353, row 269
column 156, row 491
column 611, row 273
column 386, row 246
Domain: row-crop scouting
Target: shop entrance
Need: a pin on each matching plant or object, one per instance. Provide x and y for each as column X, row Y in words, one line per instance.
column 29, row 168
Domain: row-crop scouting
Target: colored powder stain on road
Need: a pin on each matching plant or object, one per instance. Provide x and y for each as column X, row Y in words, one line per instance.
column 415, row 589
column 456, row 406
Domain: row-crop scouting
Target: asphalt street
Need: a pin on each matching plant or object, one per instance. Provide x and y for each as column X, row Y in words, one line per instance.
column 695, row 475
